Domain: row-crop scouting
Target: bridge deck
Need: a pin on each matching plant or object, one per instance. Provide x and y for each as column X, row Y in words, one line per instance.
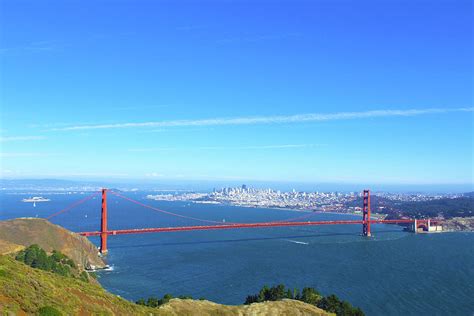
column 244, row 225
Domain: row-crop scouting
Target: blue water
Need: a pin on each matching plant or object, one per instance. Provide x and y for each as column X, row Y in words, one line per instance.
column 393, row 273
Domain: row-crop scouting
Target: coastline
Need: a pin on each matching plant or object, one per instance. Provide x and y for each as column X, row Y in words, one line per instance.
column 290, row 209
column 452, row 225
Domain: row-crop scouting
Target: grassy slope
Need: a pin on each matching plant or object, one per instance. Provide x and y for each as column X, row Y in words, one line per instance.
column 28, row 289
column 27, row 231
column 25, row 290
column 7, row 247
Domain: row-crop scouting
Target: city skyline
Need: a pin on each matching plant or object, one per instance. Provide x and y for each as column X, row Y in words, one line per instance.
column 168, row 92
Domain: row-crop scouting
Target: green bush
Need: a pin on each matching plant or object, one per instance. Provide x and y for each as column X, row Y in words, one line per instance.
column 3, row 273
column 84, row 276
column 309, row 295
column 36, row 257
column 155, row 302
column 49, row 311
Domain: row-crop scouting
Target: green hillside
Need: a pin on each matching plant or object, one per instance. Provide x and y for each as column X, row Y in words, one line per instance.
column 19, row 232
column 28, row 291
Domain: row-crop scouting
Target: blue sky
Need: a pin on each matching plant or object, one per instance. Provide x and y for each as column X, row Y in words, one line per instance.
column 310, row 91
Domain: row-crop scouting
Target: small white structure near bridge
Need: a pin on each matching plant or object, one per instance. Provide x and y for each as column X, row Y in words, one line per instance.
column 426, row 228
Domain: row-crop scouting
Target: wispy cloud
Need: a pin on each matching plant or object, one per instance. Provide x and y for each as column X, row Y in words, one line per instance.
column 259, row 38
column 154, row 175
column 258, row 147
column 20, row 138
column 19, row 155
column 297, row 118
column 145, row 107
column 37, row 46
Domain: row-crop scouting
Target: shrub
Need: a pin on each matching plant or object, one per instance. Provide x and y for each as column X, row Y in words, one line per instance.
column 49, row 311
column 309, row 295
column 155, row 302
column 36, row 257
column 84, row 276
column 3, row 273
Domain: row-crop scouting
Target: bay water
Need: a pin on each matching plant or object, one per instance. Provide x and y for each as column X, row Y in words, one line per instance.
column 393, row 273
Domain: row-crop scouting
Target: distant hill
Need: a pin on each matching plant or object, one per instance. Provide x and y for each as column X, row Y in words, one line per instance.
column 24, row 290
column 22, row 232
column 445, row 207
column 47, row 185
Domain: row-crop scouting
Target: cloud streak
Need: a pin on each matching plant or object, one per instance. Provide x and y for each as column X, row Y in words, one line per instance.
column 264, row 147
column 19, row 138
column 283, row 119
column 19, row 155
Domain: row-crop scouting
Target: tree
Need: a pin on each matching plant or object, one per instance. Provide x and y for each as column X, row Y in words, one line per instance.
column 333, row 304
column 166, row 298
column 31, row 253
column 36, row 257
column 310, row 296
column 251, row 299
column 152, row 302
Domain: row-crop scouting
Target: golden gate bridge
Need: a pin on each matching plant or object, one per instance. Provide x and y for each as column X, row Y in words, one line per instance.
column 104, row 231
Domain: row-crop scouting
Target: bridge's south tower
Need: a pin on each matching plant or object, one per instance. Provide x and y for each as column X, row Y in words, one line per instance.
column 103, row 225
column 366, row 214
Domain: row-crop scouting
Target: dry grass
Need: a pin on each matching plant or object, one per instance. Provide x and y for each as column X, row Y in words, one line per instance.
column 284, row 307
column 9, row 247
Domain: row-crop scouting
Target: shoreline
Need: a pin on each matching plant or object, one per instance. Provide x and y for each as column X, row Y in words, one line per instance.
column 296, row 210
column 289, row 209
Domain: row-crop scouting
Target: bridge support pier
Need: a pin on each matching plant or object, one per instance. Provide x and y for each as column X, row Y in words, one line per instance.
column 366, row 215
column 103, row 226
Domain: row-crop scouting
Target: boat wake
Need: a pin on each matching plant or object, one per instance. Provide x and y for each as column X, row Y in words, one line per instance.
column 108, row 268
column 298, row 242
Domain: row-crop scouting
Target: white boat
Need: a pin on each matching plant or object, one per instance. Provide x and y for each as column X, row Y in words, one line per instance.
column 36, row 199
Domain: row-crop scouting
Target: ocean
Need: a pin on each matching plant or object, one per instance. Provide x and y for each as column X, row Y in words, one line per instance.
column 392, row 273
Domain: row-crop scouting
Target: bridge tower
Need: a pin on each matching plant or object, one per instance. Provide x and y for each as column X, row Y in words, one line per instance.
column 366, row 214
column 103, row 225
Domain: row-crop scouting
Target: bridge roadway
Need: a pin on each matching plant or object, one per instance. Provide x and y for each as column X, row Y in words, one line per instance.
column 246, row 225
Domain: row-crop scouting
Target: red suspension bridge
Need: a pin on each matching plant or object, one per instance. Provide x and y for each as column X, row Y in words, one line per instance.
column 104, row 231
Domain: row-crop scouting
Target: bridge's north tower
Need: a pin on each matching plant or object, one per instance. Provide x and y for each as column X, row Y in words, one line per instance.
column 103, row 224
column 366, row 214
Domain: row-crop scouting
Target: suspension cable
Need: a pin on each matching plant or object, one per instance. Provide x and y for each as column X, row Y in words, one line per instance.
column 200, row 219
column 73, row 205
column 165, row 212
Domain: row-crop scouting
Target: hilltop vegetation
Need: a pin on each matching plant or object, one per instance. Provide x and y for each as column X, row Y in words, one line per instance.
column 58, row 263
column 309, row 295
column 445, row 207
